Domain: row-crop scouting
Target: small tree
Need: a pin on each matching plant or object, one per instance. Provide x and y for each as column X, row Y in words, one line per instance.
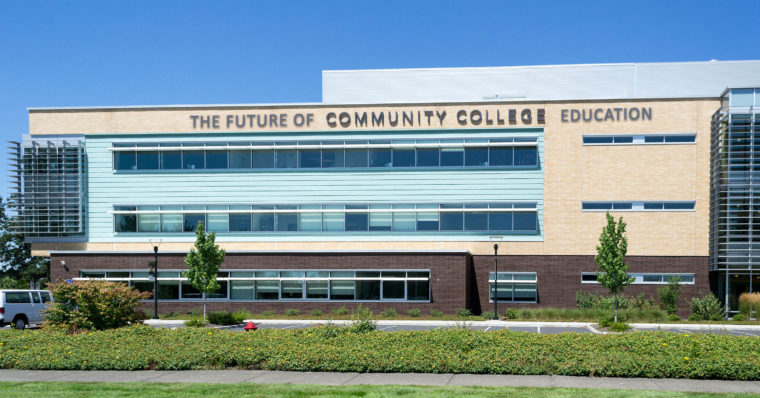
column 610, row 257
column 203, row 263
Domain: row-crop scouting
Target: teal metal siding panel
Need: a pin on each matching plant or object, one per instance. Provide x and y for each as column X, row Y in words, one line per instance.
column 106, row 188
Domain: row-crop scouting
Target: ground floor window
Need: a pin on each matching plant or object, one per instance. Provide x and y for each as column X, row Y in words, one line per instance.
column 513, row 287
column 290, row 285
column 646, row 278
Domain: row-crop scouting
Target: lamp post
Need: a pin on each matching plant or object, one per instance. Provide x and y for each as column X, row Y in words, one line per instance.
column 495, row 240
column 155, row 282
column 154, row 271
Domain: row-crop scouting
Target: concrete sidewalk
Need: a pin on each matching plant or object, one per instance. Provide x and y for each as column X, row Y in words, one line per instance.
column 339, row 379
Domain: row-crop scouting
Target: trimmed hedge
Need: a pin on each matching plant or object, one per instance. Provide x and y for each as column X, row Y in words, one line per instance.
column 639, row 354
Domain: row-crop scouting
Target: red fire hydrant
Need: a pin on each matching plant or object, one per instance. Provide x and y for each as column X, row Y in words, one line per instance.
column 250, row 326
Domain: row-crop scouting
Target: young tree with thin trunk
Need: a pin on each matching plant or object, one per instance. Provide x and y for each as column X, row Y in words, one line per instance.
column 203, row 263
column 610, row 257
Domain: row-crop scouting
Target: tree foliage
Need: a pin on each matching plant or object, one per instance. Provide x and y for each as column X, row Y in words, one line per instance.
column 16, row 255
column 94, row 305
column 613, row 245
column 203, row 263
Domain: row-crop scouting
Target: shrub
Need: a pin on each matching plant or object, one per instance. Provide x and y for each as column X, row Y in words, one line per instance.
column 749, row 304
column 669, row 294
column 269, row 313
column 707, row 308
column 195, row 322
column 240, row 316
column 436, row 313
column 414, row 312
column 362, row 322
column 94, row 304
column 511, row 313
column 619, row 326
column 487, row 315
column 315, row 312
column 340, row 311
column 292, row 312
column 389, row 313
column 739, row 318
column 332, row 349
column 221, row 318
column 694, row 317
column 674, row 317
column 195, row 313
column 463, row 313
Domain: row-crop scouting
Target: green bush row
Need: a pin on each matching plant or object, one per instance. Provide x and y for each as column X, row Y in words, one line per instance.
column 637, row 354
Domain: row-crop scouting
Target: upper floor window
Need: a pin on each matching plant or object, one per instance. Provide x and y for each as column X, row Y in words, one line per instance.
column 639, row 206
column 639, row 139
column 516, row 152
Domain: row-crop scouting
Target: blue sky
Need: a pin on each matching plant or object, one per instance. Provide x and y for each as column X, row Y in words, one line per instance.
column 85, row 53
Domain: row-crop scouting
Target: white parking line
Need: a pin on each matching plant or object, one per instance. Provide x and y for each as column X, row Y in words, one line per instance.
column 744, row 333
column 488, row 328
column 685, row 331
column 387, row 327
column 538, row 329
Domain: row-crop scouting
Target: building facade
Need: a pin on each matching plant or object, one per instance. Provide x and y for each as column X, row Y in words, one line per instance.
column 397, row 203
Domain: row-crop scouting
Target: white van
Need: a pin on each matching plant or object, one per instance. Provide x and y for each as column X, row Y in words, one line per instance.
column 23, row 307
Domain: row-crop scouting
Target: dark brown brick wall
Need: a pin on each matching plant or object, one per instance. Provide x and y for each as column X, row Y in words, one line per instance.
column 559, row 278
column 448, row 276
column 457, row 280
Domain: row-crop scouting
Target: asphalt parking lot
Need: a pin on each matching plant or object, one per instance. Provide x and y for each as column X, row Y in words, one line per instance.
column 522, row 328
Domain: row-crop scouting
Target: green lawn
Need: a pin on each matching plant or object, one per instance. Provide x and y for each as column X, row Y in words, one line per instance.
column 189, row 390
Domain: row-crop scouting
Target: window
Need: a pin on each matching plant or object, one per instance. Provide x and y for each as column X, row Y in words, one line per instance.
column 513, row 287
column 646, row 278
column 147, row 160
column 240, row 159
column 193, row 160
column 481, row 152
column 287, row 221
column 639, row 206
column 171, row 160
column 311, row 158
column 356, row 220
column 171, row 222
column 403, row 157
column 517, row 218
column 148, row 222
column 262, row 219
column 125, row 160
column 125, row 222
column 679, row 138
column 299, row 285
column 17, row 298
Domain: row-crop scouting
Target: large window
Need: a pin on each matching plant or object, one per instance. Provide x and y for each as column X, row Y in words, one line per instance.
column 290, row 285
column 513, row 287
column 520, row 152
column 507, row 217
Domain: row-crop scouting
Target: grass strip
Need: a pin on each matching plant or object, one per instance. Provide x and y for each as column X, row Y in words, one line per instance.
column 637, row 354
column 190, row 390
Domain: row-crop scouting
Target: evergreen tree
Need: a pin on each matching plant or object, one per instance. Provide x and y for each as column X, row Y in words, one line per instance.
column 610, row 257
column 16, row 257
column 203, row 263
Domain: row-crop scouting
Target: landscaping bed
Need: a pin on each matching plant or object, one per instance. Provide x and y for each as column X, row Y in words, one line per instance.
column 640, row 354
